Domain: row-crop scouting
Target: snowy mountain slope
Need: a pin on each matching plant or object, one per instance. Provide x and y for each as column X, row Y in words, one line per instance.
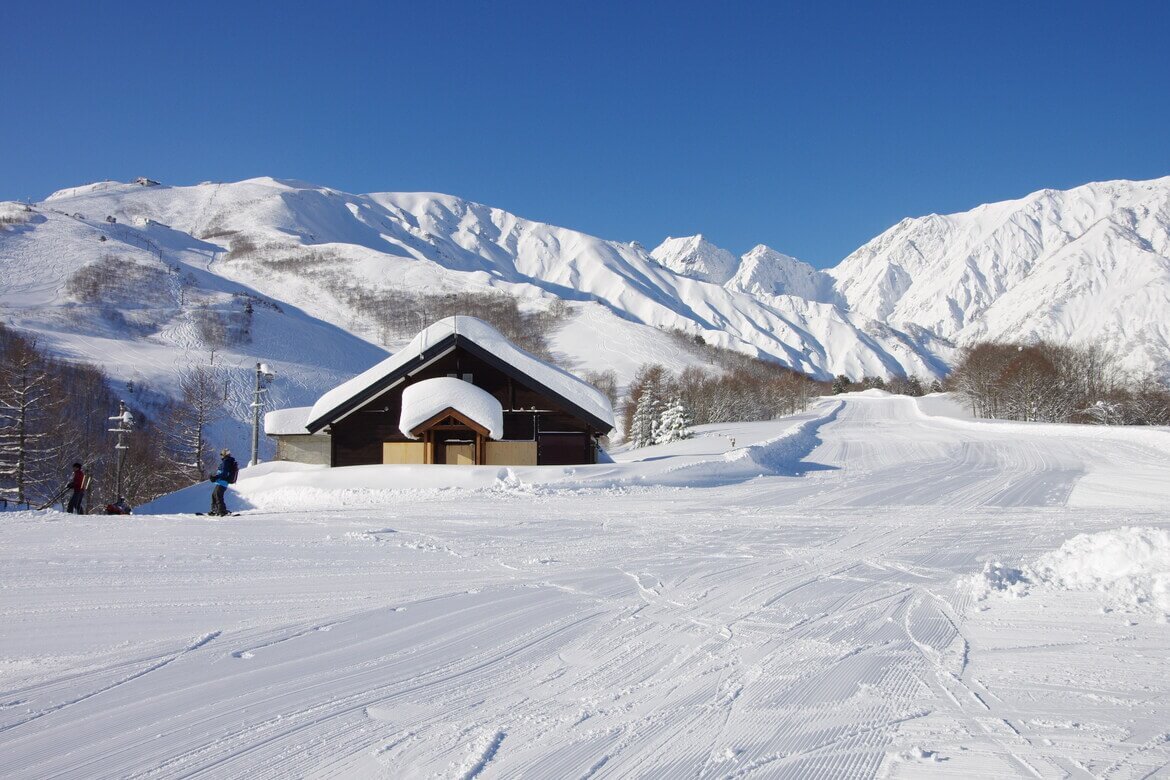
column 1087, row 264
column 142, row 306
column 439, row 243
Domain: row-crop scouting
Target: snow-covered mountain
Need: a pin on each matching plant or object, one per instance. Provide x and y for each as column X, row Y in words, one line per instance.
column 1090, row 264
column 1087, row 264
column 697, row 258
column 765, row 272
column 302, row 244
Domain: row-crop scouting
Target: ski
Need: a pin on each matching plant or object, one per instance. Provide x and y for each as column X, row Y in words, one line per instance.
column 60, row 495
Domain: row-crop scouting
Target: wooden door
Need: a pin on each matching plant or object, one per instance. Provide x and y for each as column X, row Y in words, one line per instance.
column 460, row 454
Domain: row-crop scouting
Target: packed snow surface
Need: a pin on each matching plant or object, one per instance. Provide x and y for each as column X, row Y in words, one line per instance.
column 765, row 600
column 423, row 400
column 484, row 335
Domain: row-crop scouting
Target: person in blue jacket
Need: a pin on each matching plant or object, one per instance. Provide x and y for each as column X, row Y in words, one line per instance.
column 226, row 475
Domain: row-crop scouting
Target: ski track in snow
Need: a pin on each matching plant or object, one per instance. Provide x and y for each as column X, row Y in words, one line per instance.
column 808, row 625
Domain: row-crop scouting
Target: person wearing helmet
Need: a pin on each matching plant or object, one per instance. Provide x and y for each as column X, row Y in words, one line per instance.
column 226, row 475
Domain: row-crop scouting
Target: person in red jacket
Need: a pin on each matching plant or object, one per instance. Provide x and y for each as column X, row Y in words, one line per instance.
column 77, row 485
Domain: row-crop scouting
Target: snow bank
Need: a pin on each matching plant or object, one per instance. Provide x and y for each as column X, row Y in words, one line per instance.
column 937, row 409
column 287, row 421
column 778, row 456
column 1130, row 565
column 872, row 392
column 423, row 400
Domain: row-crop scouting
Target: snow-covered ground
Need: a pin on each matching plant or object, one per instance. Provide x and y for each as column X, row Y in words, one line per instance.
column 877, row 587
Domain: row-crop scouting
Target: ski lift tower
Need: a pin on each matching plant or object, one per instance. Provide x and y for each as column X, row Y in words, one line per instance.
column 123, row 426
column 264, row 376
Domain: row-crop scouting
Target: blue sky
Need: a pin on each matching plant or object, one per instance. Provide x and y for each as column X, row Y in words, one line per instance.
column 810, row 128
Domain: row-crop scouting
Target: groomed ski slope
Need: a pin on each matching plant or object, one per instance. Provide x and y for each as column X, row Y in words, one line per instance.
column 843, row 594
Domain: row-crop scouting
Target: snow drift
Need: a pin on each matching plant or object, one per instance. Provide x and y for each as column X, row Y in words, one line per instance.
column 1131, row 566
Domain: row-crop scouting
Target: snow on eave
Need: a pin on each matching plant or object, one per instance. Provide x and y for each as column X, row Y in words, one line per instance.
column 584, row 396
column 287, row 422
column 423, row 400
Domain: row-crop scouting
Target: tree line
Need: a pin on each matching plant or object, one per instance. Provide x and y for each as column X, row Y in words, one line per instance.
column 54, row 413
column 659, row 403
column 1056, row 383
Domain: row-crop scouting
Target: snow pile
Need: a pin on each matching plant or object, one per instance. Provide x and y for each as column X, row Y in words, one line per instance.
column 1130, row 565
column 424, row 400
column 1000, row 578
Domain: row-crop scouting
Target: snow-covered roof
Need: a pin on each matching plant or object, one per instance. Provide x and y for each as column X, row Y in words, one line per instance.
column 585, row 396
column 423, row 400
column 283, row 422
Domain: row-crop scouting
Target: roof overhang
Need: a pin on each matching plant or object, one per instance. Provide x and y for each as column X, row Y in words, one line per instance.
column 450, row 411
column 433, row 353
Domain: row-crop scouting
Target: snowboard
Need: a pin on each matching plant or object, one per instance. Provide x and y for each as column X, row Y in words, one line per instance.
column 208, row 514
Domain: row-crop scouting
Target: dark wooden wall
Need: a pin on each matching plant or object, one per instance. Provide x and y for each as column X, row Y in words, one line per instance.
column 357, row 440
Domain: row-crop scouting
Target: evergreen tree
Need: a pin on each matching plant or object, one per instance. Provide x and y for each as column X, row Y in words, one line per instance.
column 643, row 427
column 675, row 423
column 841, row 384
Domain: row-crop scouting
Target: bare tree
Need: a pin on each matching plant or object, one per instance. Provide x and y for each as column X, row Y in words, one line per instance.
column 26, row 440
column 200, row 405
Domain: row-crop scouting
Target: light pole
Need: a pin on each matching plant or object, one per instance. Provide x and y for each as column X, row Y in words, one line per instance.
column 264, row 375
column 123, row 425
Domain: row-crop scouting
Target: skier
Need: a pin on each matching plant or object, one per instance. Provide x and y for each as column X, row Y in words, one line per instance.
column 228, row 469
column 119, row 507
column 77, row 485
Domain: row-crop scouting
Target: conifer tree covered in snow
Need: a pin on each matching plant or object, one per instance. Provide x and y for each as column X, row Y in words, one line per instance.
column 646, row 420
column 675, row 423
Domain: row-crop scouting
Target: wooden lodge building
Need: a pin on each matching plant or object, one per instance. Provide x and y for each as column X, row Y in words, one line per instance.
column 459, row 393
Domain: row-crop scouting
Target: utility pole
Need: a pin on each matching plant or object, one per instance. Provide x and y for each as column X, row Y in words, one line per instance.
column 264, row 375
column 123, row 425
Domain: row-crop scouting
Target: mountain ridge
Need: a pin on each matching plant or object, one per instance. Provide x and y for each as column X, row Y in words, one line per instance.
column 1086, row 264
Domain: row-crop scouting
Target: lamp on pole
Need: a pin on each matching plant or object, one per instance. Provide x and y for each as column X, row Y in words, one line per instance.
column 123, row 425
column 264, row 375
